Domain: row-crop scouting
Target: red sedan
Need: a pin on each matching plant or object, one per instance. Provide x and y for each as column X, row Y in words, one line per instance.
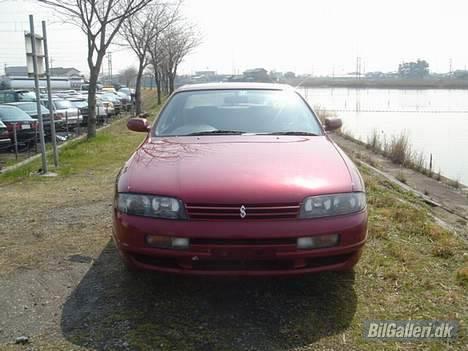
column 239, row 179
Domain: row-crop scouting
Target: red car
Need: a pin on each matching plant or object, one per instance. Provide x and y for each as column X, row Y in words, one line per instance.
column 239, row 179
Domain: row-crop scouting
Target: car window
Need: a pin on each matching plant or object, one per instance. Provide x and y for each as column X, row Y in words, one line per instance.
column 62, row 104
column 26, row 96
column 248, row 111
column 7, row 96
column 12, row 114
column 31, row 108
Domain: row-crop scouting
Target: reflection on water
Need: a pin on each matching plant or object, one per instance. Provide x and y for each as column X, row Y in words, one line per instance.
column 436, row 121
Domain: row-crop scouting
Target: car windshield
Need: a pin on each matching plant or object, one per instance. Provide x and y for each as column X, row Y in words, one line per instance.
column 62, row 104
column 12, row 113
column 31, row 108
column 220, row 112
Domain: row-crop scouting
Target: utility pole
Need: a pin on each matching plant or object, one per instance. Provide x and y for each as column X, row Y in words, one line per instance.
column 358, row 67
column 49, row 96
column 38, row 96
column 109, row 66
column 450, row 67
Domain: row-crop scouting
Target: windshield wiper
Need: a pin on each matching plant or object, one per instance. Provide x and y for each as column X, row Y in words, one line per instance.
column 289, row 133
column 218, row 131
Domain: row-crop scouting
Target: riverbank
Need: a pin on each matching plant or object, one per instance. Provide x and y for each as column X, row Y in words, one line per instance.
column 448, row 199
column 429, row 83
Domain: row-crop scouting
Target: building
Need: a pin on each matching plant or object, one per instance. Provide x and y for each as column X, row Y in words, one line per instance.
column 16, row 71
column 257, row 75
column 22, row 71
column 69, row 72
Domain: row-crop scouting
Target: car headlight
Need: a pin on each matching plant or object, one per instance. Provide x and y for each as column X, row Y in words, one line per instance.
column 150, row 206
column 333, row 205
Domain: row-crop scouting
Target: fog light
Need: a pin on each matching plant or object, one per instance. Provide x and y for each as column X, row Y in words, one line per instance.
column 167, row 242
column 319, row 241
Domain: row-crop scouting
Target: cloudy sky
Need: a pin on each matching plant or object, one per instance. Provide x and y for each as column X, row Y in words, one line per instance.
column 319, row 36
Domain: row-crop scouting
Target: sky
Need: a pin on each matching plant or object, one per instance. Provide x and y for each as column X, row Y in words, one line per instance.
column 319, row 37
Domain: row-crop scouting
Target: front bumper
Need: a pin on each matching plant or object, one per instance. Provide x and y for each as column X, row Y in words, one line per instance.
column 233, row 248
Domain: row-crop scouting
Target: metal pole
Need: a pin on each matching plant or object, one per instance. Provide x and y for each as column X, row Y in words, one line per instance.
column 66, row 122
column 49, row 96
column 38, row 95
column 15, row 140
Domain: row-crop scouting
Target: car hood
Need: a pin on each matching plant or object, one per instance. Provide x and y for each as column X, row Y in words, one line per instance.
column 233, row 169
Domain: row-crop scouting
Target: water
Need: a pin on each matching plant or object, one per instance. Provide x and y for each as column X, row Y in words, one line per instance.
column 436, row 121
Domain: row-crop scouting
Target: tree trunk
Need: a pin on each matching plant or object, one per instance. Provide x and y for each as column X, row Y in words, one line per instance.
column 141, row 68
column 171, row 83
column 157, row 80
column 93, row 77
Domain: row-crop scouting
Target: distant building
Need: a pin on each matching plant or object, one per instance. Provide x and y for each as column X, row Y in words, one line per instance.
column 17, row 71
column 257, row 75
column 205, row 73
column 65, row 72
column 22, row 71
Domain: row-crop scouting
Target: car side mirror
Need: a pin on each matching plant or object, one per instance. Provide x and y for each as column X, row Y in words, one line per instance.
column 332, row 124
column 138, row 124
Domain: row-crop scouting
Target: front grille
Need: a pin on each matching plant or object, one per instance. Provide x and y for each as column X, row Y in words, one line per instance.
column 251, row 242
column 234, row 212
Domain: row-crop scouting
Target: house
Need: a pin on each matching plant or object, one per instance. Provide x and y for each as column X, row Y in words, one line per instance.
column 22, row 71
column 17, row 71
column 257, row 75
column 69, row 72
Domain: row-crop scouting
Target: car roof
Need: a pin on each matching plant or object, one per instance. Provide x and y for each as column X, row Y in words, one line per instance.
column 8, row 106
column 17, row 103
column 234, row 86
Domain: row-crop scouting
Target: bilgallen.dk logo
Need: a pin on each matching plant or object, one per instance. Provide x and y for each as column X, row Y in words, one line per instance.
column 410, row 330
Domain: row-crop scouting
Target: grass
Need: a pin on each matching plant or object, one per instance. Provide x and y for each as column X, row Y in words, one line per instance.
column 411, row 268
column 398, row 149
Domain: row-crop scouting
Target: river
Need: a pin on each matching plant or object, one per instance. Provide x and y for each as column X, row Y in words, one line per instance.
column 435, row 121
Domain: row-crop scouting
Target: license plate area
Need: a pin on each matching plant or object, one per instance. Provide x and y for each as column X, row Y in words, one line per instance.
column 25, row 126
column 243, row 253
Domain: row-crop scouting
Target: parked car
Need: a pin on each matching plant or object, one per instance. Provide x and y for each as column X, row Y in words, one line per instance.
column 64, row 111
column 16, row 95
column 108, row 90
column 110, row 97
column 126, row 101
column 82, row 105
column 239, row 179
column 85, row 87
column 127, row 91
column 31, row 109
column 5, row 140
column 15, row 118
column 106, row 106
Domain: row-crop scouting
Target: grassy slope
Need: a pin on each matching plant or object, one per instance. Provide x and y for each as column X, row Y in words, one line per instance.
column 408, row 270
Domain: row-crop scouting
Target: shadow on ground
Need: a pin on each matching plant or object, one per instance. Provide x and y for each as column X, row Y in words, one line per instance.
column 114, row 309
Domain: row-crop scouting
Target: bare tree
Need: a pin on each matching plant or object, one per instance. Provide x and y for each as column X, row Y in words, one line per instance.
column 156, row 58
column 128, row 75
column 141, row 30
column 100, row 20
column 178, row 41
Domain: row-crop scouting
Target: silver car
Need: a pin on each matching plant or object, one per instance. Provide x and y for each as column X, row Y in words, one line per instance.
column 65, row 111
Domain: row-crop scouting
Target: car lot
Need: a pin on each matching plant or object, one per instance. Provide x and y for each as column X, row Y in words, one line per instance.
column 18, row 113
